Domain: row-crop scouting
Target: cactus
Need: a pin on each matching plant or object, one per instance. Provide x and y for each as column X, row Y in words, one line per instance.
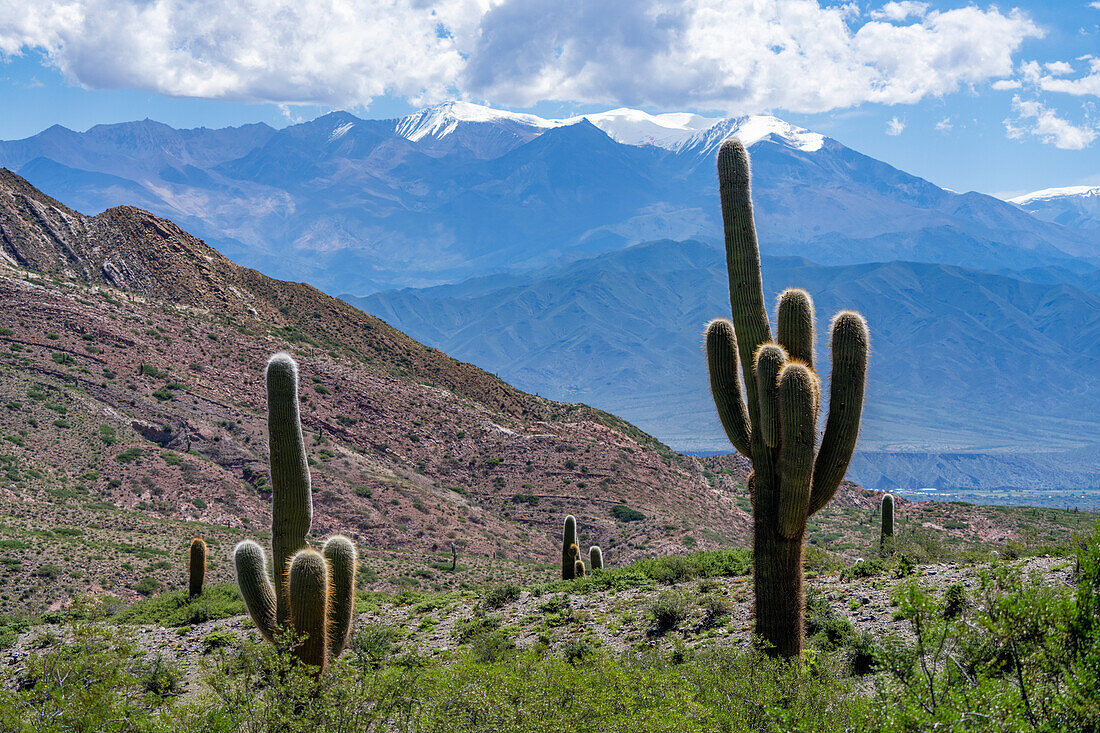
column 777, row 428
column 595, row 557
column 313, row 593
column 568, row 542
column 196, row 568
column 886, row 540
column 578, row 569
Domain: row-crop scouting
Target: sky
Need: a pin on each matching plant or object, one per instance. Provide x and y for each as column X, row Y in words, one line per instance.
column 997, row 98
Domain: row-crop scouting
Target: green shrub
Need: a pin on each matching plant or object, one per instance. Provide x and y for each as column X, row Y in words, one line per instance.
column 623, row 513
column 863, row 569
column 500, row 595
column 668, row 611
column 176, row 609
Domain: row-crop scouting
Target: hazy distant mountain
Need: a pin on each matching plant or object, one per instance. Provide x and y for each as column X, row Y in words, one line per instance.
column 458, row 190
column 1075, row 206
column 961, row 359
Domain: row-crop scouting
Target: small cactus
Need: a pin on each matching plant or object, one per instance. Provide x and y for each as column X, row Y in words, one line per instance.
column 886, row 540
column 595, row 557
column 196, row 568
column 578, row 569
column 313, row 593
column 568, row 541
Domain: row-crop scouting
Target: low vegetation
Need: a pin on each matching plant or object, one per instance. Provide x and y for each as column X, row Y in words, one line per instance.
column 1010, row 653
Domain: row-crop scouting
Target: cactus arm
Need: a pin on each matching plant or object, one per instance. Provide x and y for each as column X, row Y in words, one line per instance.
column 770, row 359
column 196, row 567
column 292, row 502
column 850, row 345
column 342, row 565
column 309, row 606
column 795, row 325
column 569, row 540
column 725, row 384
column 798, row 401
column 750, row 320
column 255, row 586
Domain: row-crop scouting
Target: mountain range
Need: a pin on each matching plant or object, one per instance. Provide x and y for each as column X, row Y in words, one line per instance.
column 458, row 191
column 962, row 360
column 578, row 258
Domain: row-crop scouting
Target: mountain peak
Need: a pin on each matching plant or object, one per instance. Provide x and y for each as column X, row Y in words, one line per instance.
column 441, row 120
column 1054, row 193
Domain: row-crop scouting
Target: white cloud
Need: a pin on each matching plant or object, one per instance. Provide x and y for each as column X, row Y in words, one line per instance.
column 1002, row 84
column 326, row 51
column 894, row 126
column 944, row 125
column 1059, row 68
column 897, row 11
column 1095, row 5
column 793, row 55
column 1089, row 84
column 1035, row 119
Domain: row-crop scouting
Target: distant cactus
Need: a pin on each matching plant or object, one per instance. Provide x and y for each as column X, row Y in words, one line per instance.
column 196, row 567
column 578, row 569
column 313, row 593
column 595, row 557
column 568, row 541
column 886, row 540
column 777, row 429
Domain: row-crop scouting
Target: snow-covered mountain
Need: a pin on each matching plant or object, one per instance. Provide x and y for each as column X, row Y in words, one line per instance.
column 671, row 130
column 458, row 190
column 1072, row 206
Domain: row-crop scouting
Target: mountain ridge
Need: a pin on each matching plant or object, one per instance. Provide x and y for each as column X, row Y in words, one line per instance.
column 352, row 205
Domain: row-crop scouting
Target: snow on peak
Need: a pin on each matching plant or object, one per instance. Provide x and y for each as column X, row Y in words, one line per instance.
column 671, row 130
column 1056, row 193
column 751, row 129
column 442, row 119
column 635, row 127
column 340, row 130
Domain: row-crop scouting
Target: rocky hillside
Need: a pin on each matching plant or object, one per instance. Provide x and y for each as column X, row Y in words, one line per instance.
column 132, row 417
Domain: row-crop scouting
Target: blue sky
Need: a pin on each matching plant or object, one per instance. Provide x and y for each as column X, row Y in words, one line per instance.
column 996, row 98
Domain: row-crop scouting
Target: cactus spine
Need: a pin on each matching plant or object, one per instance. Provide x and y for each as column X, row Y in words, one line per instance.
column 887, row 538
column 777, row 428
column 578, row 569
column 196, row 567
column 312, row 593
column 595, row 557
column 568, row 542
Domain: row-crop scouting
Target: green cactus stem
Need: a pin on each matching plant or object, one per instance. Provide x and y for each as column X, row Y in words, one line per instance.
column 255, row 586
column 774, row 424
column 292, row 499
column 886, row 539
column 568, row 541
column 308, row 590
column 578, row 569
column 312, row 593
column 595, row 557
column 196, row 568
column 343, row 565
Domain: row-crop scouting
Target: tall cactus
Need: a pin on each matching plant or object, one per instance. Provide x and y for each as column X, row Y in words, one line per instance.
column 313, row 593
column 887, row 537
column 568, row 542
column 196, row 568
column 595, row 557
column 777, row 429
